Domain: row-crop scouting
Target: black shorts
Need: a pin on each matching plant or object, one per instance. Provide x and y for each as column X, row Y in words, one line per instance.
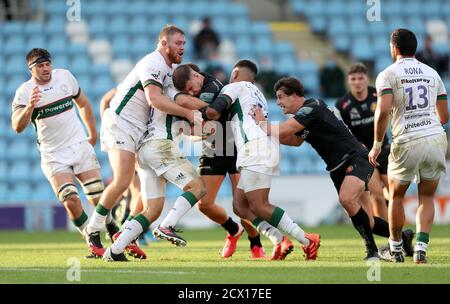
column 358, row 166
column 383, row 159
column 218, row 165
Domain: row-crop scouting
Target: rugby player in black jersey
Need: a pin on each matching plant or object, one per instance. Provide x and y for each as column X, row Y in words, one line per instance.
column 357, row 110
column 216, row 161
column 346, row 158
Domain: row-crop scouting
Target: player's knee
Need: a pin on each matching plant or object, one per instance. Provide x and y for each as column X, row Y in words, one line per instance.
column 93, row 189
column 197, row 187
column 203, row 206
column 346, row 201
column 68, row 191
column 72, row 202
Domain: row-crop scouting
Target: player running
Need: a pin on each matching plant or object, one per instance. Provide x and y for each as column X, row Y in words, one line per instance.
column 413, row 95
column 47, row 101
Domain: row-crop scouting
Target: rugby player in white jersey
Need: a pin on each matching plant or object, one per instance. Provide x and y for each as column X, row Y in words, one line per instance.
column 47, row 101
column 413, row 95
column 258, row 156
column 125, row 122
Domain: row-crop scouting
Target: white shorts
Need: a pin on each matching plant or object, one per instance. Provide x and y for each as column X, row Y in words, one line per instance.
column 421, row 158
column 75, row 159
column 159, row 161
column 118, row 134
column 260, row 155
column 252, row 180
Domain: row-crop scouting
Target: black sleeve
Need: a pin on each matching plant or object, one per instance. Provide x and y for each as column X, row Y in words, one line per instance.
column 307, row 114
column 221, row 103
column 210, row 89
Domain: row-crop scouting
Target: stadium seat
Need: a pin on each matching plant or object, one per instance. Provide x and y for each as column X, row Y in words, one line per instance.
column 18, row 172
column 43, row 192
column 19, row 192
column 19, row 149
column 362, row 49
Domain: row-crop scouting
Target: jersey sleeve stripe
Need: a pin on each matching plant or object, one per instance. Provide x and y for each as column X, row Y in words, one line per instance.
column 152, row 81
column 442, row 97
column 386, row 91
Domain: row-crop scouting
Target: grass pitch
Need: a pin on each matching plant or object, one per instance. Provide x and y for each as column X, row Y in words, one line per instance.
column 47, row 257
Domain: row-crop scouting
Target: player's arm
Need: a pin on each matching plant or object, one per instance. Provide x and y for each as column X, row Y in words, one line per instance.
column 189, row 102
column 282, row 131
column 292, row 140
column 21, row 115
column 156, row 98
column 442, row 108
column 87, row 116
column 219, row 104
column 381, row 120
column 106, row 100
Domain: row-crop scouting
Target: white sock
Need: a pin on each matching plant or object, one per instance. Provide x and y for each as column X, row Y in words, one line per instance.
column 420, row 246
column 270, row 232
column 287, row 225
column 130, row 232
column 180, row 208
column 96, row 222
column 81, row 228
column 395, row 246
column 109, row 218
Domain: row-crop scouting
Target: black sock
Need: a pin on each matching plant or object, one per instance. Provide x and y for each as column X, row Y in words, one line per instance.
column 255, row 241
column 231, row 226
column 381, row 227
column 361, row 222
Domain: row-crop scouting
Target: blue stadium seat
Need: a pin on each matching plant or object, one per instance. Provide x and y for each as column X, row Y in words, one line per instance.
column 60, row 62
column 240, row 26
column 243, row 45
column 263, row 46
column 19, row 149
column 308, row 67
column 13, row 84
column 237, row 9
column 36, row 173
column 358, row 26
column 392, row 9
column 334, row 8
column 12, row 28
column 19, row 172
column 80, row 65
column 43, row 192
column 120, row 46
column 140, row 46
column 98, row 26
column 378, row 28
column 37, row 42
column 362, row 49
column 20, row 192
column 260, row 28
column 433, row 10
column 3, row 167
column 157, row 23
column 311, row 83
column 117, row 26
column 414, row 7
column 341, row 42
column 381, row 45
column 77, row 50
column 3, row 191
column 138, row 26
column 58, row 45
column 318, row 24
column 286, row 65
column 283, row 48
column 15, row 45
column 382, row 63
column 56, row 26
column 337, row 26
column 356, row 8
column 33, row 29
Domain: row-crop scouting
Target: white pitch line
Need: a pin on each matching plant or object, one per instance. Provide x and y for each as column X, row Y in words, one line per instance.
column 93, row 270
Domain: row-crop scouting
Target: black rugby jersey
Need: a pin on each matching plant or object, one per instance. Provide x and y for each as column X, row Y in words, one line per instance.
column 327, row 134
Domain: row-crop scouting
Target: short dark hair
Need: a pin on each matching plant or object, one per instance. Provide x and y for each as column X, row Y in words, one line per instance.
column 358, row 68
column 405, row 41
column 248, row 64
column 169, row 30
column 289, row 86
column 182, row 74
column 37, row 52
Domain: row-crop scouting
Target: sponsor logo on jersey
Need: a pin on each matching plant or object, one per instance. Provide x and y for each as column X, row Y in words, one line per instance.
column 180, row 177
column 418, row 124
column 354, row 114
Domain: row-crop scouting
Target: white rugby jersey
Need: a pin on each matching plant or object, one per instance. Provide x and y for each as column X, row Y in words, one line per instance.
column 416, row 88
column 130, row 102
column 243, row 96
column 54, row 117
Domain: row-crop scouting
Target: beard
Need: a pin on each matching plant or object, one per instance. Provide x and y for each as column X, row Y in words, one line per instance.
column 173, row 56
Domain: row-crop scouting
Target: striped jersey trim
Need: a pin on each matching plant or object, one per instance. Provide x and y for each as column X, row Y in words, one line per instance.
column 128, row 96
column 152, row 81
column 442, row 97
column 386, row 91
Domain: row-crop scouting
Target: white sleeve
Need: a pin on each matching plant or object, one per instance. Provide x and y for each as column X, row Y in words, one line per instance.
column 230, row 92
column 20, row 99
column 75, row 88
column 383, row 84
column 151, row 73
column 442, row 92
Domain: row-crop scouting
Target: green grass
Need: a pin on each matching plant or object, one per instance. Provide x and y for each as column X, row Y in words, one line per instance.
column 43, row 258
